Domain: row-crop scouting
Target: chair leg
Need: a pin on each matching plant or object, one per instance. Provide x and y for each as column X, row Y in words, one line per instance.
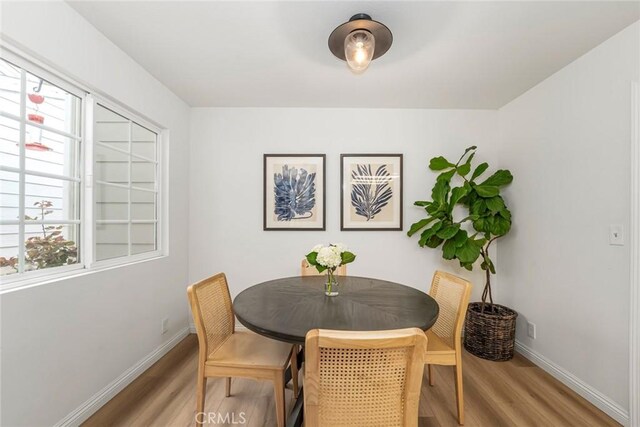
column 459, row 394
column 227, row 387
column 201, row 389
column 294, row 370
column 432, row 380
column 278, row 389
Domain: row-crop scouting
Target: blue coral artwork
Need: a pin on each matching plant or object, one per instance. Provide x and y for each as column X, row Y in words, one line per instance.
column 371, row 192
column 294, row 192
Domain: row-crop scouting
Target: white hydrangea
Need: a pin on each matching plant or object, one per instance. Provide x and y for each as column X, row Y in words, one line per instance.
column 328, row 257
column 317, row 248
column 340, row 247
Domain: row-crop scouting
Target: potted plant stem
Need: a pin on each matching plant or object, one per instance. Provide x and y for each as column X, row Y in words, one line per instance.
column 489, row 327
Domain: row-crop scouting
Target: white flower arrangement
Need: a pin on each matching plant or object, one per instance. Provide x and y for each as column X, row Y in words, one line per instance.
column 330, row 257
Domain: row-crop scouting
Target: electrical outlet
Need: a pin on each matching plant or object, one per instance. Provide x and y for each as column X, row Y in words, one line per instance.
column 165, row 326
column 531, row 330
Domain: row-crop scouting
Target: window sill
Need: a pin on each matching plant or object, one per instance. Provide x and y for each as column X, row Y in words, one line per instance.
column 18, row 284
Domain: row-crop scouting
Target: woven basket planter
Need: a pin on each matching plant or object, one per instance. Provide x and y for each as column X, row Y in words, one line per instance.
column 490, row 335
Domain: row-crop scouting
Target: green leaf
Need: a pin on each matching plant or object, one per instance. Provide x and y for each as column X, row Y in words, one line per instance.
column 473, row 147
column 449, row 249
column 448, row 232
column 478, row 207
column 505, row 213
column 480, row 225
column 498, row 179
column 433, row 241
column 492, row 268
column 419, row 226
column 479, row 242
column 460, row 238
column 456, row 194
column 464, row 169
column 422, row 203
column 495, row 204
column 487, row 190
column 468, row 253
column 347, row 257
column 426, row 234
column 446, row 176
column 432, row 208
column 440, row 192
column 500, row 226
column 311, row 258
column 479, row 170
column 439, row 163
column 487, row 264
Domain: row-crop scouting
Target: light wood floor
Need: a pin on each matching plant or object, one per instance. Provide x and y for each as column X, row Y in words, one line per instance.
column 514, row 393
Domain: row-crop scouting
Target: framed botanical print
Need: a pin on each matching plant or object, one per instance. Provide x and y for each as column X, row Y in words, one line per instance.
column 294, row 197
column 371, row 196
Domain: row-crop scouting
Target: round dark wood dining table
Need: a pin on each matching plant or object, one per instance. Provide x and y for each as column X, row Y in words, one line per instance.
column 286, row 309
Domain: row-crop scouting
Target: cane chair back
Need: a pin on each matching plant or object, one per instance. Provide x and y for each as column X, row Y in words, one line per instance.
column 226, row 353
column 452, row 295
column 212, row 312
column 368, row 378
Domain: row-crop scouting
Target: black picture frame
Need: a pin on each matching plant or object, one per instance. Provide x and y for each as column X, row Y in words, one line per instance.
column 347, row 222
column 272, row 164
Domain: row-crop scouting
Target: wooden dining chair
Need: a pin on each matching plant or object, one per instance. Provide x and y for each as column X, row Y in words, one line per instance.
column 368, row 378
column 445, row 336
column 224, row 352
column 307, row 269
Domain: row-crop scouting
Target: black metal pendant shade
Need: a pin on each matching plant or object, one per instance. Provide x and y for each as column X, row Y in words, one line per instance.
column 361, row 21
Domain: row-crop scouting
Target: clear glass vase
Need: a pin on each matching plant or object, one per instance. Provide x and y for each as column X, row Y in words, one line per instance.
column 331, row 286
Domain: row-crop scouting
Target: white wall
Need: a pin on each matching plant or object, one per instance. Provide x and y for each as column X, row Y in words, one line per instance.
column 64, row 341
column 226, row 186
column 567, row 142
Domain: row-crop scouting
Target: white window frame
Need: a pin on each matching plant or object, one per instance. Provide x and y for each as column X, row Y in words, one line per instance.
column 86, row 262
column 27, row 67
column 92, row 101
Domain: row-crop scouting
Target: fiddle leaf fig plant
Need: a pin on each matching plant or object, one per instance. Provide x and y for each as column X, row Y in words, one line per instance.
column 485, row 218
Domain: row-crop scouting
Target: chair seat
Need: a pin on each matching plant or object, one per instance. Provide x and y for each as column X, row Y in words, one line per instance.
column 249, row 350
column 438, row 351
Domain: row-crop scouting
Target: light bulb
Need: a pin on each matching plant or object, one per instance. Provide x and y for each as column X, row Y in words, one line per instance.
column 359, row 46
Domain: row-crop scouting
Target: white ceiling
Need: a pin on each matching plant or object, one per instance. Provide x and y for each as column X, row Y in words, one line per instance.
column 275, row 54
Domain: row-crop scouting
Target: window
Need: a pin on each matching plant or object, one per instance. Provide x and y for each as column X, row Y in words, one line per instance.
column 79, row 178
column 40, row 180
column 126, row 193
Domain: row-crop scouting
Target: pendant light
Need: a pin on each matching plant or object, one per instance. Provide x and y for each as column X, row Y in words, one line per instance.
column 360, row 41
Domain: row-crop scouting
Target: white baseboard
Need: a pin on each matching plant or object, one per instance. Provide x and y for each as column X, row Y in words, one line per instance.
column 88, row 408
column 599, row 400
